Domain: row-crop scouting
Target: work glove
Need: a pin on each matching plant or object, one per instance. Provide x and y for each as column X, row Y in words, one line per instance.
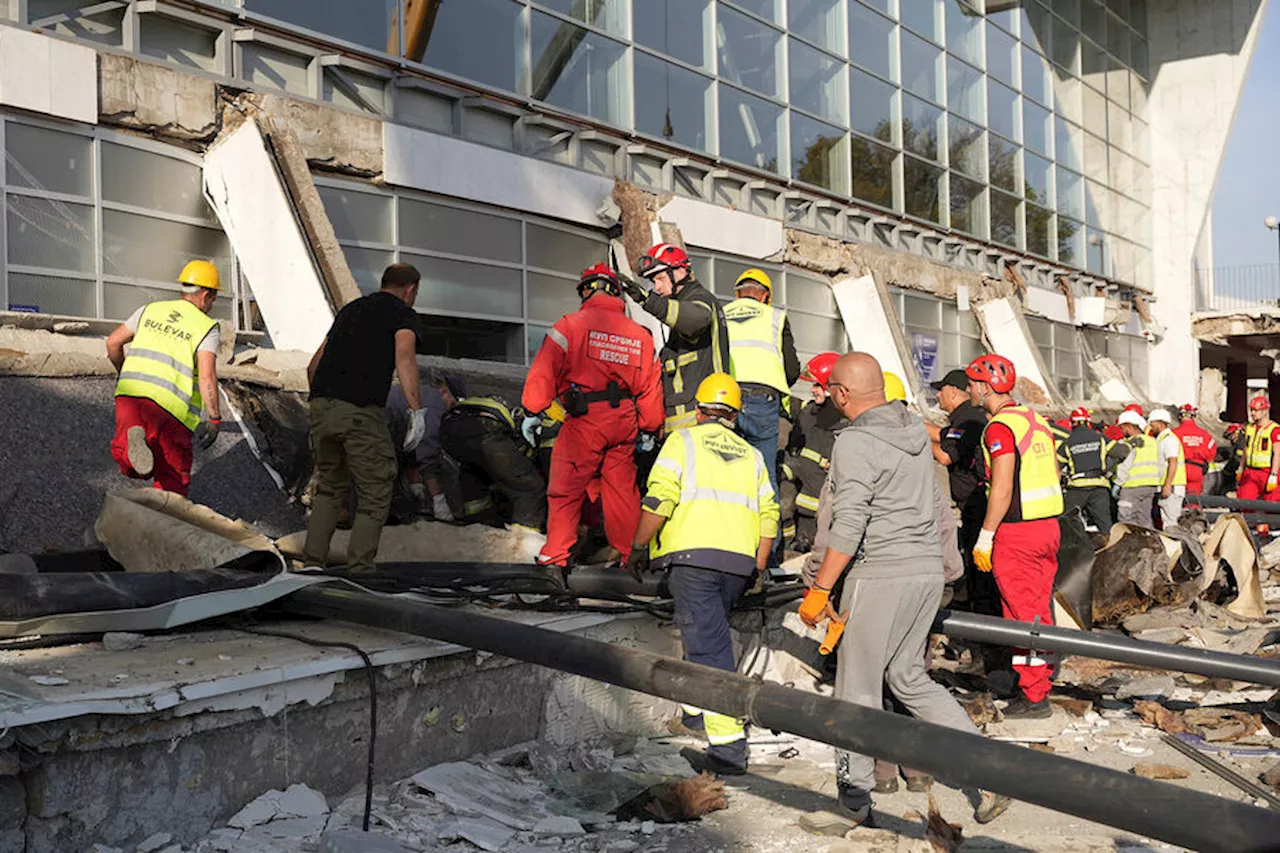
column 417, row 429
column 206, row 434
column 1115, row 491
column 638, row 561
column 982, row 550
column 1272, row 483
column 815, row 606
column 529, row 429
column 440, row 508
column 646, row 442
column 633, row 289
column 419, row 493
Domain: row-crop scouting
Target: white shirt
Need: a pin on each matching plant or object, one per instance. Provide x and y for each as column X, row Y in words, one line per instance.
column 1168, row 446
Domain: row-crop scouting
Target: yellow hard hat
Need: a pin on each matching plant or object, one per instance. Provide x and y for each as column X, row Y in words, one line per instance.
column 555, row 412
column 759, row 277
column 200, row 274
column 893, row 387
column 719, row 389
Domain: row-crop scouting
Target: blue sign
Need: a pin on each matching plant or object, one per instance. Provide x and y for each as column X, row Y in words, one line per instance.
column 924, row 352
column 24, row 309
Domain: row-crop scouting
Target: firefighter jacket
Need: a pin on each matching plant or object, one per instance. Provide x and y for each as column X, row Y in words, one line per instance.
column 697, row 347
column 1259, row 441
column 590, row 348
column 761, row 349
column 1037, row 493
column 1198, row 445
column 714, row 491
column 1142, row 468
column 161, row 364
column 1082, row 453
column 808, row 452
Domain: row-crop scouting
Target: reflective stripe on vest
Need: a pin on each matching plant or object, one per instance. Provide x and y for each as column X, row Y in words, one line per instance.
column 1036, row 490
column 1179, row 473
column 755, row 343
column 490, row 405
column 1144, row 470
column 1257, row 447
column 160, row 365
column 1083, row 452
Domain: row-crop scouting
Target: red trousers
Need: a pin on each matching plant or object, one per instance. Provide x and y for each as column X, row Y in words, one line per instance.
column 168, row 438
column 1253, row 486
column 600, row 444
column 1195, row 479
column 1024, row 562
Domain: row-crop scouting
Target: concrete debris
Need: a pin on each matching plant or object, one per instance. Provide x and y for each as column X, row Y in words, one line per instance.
column 558, row 825
column 296, row 801
column 1160, row 771
column 352, row 841
column 1074, row 707
column 433, row 542
column 982, row 709
column 122, row 641
column 103, row 848
column 1155, row 687
column 1271, row 776
column 1214, row 725
column 483, row 832
column 153, row 843
column 466, row 788
column 48, row 680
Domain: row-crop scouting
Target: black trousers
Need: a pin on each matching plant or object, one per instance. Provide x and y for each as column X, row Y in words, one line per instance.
column 983, row 596
column 1094, row 502
column 488, row 456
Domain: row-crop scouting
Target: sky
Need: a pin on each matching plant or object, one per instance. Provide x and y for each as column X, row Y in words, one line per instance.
column 1248, row 189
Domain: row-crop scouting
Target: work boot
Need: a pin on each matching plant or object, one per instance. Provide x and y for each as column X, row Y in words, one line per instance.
column 677, row 726
column 140, row 458
column 991, row 807
column 1023, row 708
column 919, row 784
column 887, row 786
column 838, row 821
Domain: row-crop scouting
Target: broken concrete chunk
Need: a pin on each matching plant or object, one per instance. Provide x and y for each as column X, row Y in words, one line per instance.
column 122, row 641
column 103, row 848
column 296, row 801
column 465, row 787
column 558, row 825
column 352, row 841
column 220, row 841
column 1271, row 776
column 48, row 680
column 153, row 843
column 1160, row 771
column 485, row 833
column 1154, row 687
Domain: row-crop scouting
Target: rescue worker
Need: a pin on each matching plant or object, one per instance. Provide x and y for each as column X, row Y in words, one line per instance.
column 1259, row 468
column 711, row 517
column 601, row 364
column 1082, row 456
column 1172, row 466
column 1198, row 447
column 883, row 541
column 809, row 447
column 480, row 434
column 167, row 379
column 1137, row 478
column 698, row 343
column 764, row 363
column 1020, row 536
column 1230, row 456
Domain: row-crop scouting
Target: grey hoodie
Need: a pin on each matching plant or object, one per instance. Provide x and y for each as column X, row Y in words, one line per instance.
column 883, row 495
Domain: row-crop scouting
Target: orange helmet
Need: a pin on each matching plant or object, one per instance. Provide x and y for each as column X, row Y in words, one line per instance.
column 995, row 370
column 819, row 368
column 1080, row 415
column 1260, row 402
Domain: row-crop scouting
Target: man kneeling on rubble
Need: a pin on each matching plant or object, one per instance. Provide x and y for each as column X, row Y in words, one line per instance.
column 883, row 491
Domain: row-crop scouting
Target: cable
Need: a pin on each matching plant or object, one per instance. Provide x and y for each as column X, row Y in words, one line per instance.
column 373, row 701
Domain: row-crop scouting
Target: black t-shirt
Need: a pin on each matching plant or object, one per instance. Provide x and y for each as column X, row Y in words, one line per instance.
column 360, row 353
column 962, row 441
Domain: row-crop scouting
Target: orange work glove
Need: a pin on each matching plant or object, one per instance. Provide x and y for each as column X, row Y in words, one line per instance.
column 815, row 606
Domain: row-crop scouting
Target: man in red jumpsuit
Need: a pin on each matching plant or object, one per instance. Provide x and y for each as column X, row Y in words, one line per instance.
column 1258, row 477
column 1197, row 445
column 602, row 367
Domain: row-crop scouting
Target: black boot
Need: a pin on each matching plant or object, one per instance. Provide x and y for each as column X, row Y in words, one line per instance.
column 1023, row 708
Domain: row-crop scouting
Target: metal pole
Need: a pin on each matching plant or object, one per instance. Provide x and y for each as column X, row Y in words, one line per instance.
column 1219, row 502
column 1157, row 810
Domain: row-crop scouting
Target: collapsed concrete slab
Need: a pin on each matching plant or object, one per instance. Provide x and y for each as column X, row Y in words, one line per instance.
column 433, row 542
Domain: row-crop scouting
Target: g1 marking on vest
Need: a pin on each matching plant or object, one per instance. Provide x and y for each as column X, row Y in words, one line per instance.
column 729, row 451
column 166, row 329
column 615, row 349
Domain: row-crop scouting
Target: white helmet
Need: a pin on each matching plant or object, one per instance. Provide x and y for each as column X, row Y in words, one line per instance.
column 1133, row 418
column 1161, row 415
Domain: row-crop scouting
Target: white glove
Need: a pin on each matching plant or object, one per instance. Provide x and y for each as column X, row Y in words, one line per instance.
column 419, row 492
column 982, row 549
column 645, row 442
column 417, row 429
column 529, row 429
column 1271, row 483
column 440, row 508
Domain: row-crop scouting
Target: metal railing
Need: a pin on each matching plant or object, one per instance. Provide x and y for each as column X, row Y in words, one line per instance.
column 1244, row 288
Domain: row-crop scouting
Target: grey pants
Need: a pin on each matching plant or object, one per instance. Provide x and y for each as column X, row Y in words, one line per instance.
column 889, row 622
column 1134, row 506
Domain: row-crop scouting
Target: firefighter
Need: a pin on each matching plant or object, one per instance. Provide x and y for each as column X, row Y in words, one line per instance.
column 1172, row 466
column 1198, row 446
column 711, row 517
column 1019, row 538
column 698, row 344
column 809, row 447
column 1137, row 478
column 482, row 436
column 601, row 365
column 1082, row 455
column 1256, row 478
column 1229, row 456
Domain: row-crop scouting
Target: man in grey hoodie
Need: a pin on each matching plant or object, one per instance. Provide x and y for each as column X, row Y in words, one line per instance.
column 884, row 533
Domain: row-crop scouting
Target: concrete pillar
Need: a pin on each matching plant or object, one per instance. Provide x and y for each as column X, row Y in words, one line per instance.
column 1273, row 394
column 1237, row 391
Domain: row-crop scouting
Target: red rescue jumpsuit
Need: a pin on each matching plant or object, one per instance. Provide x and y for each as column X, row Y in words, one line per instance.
column 1199, row 448
column 588, row 348
column 1253, row 478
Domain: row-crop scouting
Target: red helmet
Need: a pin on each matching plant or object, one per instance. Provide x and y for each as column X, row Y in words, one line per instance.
column 1260, row 402
column 1080, row 415
column 1134, row 407
column 995, row 370
column 1187, row 410
column 663, row 257
column 601, row 277
column 819, row 368
column 1233, row 430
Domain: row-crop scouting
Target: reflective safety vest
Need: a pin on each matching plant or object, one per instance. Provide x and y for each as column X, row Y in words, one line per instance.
column 1179, row 473
column 1037, row 493
column 1257, row 445
column 161, row 363
column 1082, row 452
column 1144, row 465
column 714, row 491
column 755, row 343
column 491, row 406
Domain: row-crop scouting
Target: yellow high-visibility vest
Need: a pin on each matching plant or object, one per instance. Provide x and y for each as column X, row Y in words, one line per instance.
column 1257, row 445
column 1037, row 493
column 161, row 363
column 714, row 490
column 1180, row 473
column 1144, row 470
column 755, row 343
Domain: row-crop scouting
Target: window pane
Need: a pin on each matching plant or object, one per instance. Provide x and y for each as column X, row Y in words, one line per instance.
column 458, row 232
column 1070, row 235
column 870, row 40
column 1004, row 219
column 749, row 53
column 1039, row 221
column 1037, row 127
column 100, row 27
column 551, row 298
column 1004, row 163
column 1095, row 111
column 371, row 23
column 675, row 27
column 818, row 153
column 728, row 269
column 920, row 16
column 458, row 286
column 872, row 172
column 48, row 159
column 578, row 70
column 749, row 129
column 276, row 69
column 920, row 67
column 871, row 101
column 552, row 249
column 45, row 294
column 964, row 90
column 1002, row 52
column 920, row 184
column 1098, row 253
column 818, row 21
column 817, row 83
column 50, row 234
column 608, row 15
column 819, row 333
column 968, row 207
column 1070, row 193
column 144, row 179
column 479, row 40
column 1037, row 177
column 156, row 249
column 1093, row 20
column 178, row 42
column 358, row 216
column 964, row 32
column 1002, row 108
column 672, row 102
column 809, row 293
column 119, row 301
column 1095, row 157
column 921, row 127
column 1067, row 98
column 966, row 147
column 463, row 337
column 367, row 266
column 1066, row 144
column 1066, row 46
column 920, row 311
column 767, row 9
